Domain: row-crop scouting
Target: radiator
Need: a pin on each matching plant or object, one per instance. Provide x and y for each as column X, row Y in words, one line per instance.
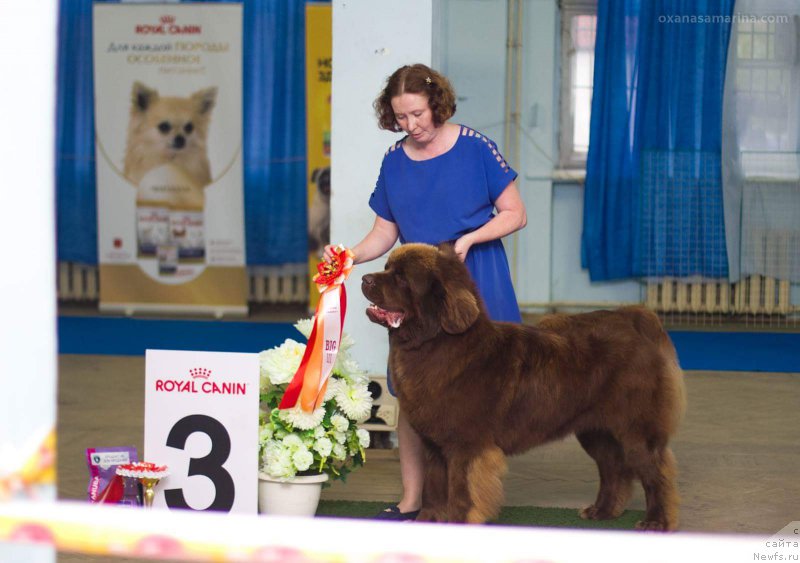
column 758, row 295
column 268, row 284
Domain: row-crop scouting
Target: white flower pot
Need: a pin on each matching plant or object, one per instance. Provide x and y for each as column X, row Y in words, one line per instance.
column 296, row 497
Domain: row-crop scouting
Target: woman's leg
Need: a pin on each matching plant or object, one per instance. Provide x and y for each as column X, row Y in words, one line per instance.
column 412, row 465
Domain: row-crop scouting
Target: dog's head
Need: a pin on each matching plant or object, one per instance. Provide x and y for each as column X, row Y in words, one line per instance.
column 423, row 291
column 170, row 125
column 322, row 177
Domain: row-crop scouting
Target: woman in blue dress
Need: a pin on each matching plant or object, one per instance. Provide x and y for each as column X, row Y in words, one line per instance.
column 441, row 182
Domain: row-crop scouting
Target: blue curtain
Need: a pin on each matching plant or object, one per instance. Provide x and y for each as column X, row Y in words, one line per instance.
column 76, row 196
column 274, row 133
column 653, row 194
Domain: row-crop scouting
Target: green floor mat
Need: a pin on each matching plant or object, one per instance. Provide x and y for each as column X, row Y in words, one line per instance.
column 509, row 516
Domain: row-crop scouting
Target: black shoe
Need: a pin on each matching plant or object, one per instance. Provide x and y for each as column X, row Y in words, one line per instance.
column 392, row 513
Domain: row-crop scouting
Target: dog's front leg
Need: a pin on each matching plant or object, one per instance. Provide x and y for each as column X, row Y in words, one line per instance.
column 434, row 490
column 476, row 485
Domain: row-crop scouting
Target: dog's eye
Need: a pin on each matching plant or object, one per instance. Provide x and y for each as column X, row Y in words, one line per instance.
column 401, row 281
column 188, row 128
column 164, row 127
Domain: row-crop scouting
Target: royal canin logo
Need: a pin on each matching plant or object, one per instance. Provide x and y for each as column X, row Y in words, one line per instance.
column 199, row 383
column 167, row 25
column 200, row 373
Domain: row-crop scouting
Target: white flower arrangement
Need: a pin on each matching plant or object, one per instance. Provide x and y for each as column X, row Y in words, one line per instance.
column 325, row 441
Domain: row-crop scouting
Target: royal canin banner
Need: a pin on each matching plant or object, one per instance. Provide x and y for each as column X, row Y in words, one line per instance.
column 168, row 114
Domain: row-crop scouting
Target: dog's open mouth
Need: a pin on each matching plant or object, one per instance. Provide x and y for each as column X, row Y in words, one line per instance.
column 392, row 319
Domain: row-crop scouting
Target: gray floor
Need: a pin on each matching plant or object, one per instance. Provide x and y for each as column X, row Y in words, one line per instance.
column 737, row 449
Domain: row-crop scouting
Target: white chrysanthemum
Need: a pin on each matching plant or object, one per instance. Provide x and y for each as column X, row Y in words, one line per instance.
column 279, row 365
column 302, row 459
column 323, row 447
column 349, row 370
column 330, row 391
column 278, row 461
column 340, row 437
column 346, row 343
column 293, row 441
column 355, row 400
column 319, row 432
column 272, row 449
column 305, row 326
column 339, row 452
column 300, row 419
column 340, row 423
column 264, row 434
column 363, row 437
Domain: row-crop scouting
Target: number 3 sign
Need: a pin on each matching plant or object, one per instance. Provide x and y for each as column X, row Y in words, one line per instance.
column 201, row 420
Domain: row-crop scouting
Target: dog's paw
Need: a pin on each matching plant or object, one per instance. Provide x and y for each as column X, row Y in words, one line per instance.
column 593, row 512
column 431, row 515
column 653, row 526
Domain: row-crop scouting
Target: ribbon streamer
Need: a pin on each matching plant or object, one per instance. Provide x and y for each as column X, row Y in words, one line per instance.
column 311, row 379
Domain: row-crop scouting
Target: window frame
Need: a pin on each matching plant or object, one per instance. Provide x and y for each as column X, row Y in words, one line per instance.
column 568, row 158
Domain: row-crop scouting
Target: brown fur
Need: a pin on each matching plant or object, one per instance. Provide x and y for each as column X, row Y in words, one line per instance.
column 477, row 391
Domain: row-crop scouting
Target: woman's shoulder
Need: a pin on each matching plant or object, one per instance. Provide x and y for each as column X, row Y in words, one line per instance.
column 394, row 148
column 484, row 146
column 474, row 136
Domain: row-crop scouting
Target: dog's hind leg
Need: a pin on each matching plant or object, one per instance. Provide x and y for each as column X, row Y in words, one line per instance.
column 656, row 468
column 616, row 480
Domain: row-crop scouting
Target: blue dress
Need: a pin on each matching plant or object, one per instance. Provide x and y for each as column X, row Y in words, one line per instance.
column 445, row 197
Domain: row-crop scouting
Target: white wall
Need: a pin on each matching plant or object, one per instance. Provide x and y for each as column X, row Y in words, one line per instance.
column 474, row 61
column 570, row 282
column 370, row 40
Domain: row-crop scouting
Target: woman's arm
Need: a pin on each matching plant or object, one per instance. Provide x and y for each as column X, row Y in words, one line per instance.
column 378, row 241
column 510, row 217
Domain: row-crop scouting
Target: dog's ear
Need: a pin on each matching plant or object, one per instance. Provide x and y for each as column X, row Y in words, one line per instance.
column 447, row 249
column 142, row 97
column 460, row 309
column 205, row 100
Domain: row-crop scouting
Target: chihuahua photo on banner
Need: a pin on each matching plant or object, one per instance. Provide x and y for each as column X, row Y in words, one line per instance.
column 166, row 160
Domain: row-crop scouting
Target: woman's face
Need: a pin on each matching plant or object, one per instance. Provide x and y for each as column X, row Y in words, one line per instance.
column 414, row 116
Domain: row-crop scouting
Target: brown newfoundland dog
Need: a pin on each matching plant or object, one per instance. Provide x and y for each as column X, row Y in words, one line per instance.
column 478, row 391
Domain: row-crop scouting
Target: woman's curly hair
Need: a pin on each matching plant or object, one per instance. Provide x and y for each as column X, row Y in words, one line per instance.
column 416, row 79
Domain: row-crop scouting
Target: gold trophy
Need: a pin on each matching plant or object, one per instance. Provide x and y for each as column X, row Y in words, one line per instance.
column 148, row 474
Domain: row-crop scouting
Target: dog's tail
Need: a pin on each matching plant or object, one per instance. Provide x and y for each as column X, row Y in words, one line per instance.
column 649, row 325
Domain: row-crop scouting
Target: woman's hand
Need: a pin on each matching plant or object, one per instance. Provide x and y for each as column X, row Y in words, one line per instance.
column 462, row 246
column 329, row 252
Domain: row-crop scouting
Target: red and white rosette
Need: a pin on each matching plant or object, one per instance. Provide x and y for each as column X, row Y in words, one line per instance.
column 142, row 470
column 311, row 379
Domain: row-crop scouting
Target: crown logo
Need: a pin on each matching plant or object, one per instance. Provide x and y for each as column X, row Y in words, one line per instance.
column 200, row 373
column 167, row 19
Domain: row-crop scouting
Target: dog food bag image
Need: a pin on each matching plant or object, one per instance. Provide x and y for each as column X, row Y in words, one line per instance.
column 104, row 486
column 167, row 259
column 186, row 228
column 180, row 203
column 152, row 227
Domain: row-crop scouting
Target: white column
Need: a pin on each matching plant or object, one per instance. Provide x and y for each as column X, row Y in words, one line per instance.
column 27, row 240
column 370, row 41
